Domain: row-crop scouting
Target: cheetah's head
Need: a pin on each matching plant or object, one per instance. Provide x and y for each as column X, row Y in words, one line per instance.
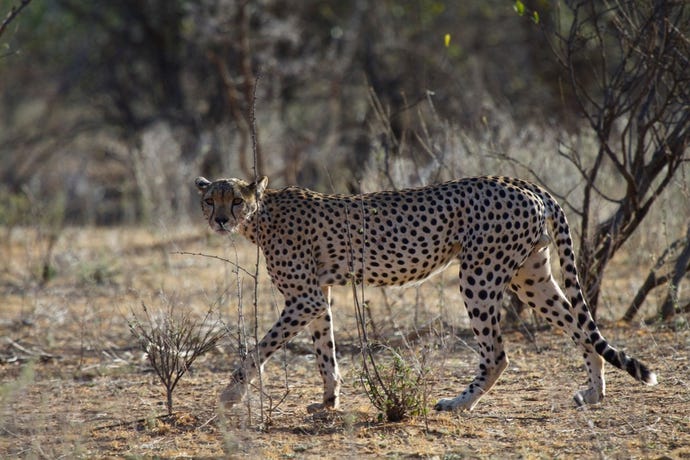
column 226, row 203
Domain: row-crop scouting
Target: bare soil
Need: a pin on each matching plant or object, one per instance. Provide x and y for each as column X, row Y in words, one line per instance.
column 75, row 384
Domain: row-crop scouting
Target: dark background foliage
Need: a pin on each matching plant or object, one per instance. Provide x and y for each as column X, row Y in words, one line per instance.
column 84, row 83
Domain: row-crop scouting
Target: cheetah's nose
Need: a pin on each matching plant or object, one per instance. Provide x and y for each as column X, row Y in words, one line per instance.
column 221, row 221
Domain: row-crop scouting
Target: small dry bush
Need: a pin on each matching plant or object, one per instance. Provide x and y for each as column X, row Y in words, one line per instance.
column 397, row 388
column 172, row 341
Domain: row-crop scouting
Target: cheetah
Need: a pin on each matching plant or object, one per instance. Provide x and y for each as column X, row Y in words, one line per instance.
column 495, row 227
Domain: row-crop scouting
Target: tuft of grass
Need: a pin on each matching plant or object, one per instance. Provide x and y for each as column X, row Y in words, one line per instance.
column 397, row 389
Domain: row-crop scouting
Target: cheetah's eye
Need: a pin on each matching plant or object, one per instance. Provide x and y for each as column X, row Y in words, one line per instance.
column 237, row 201
column 209, row 201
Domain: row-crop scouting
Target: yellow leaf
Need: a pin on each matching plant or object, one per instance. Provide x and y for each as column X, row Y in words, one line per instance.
column 446, row 40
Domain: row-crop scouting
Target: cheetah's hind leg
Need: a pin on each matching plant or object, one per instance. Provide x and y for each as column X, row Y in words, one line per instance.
column 485, row 316
column 535, row 286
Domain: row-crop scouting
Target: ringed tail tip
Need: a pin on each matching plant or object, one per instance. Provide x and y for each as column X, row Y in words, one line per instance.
column 651, row 379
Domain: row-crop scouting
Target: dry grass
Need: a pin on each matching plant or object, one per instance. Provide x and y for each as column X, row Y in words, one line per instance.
column 73, row 382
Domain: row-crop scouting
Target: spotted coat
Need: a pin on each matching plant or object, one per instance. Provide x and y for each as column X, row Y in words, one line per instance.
column 499, row 230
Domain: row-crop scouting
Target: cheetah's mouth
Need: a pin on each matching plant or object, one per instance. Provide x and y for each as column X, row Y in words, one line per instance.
column 223, row 228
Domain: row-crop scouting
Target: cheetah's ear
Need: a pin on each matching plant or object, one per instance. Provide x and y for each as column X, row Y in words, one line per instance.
column 260, row 186
column 201, row 183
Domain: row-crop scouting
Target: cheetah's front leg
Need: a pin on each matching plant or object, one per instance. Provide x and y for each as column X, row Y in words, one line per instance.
column 237, row 389
column 299, row 312
column 321, row 329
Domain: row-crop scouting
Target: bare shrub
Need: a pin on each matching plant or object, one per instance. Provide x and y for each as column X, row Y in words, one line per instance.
column 173, row 341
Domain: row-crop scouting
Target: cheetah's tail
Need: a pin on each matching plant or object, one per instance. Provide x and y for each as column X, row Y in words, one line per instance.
column 622, row 361
column 581, row 311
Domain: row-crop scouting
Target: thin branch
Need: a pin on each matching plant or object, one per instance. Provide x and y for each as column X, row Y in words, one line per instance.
column 11, row 16
column 655, row 280
column 223, row 259
column 257, row 226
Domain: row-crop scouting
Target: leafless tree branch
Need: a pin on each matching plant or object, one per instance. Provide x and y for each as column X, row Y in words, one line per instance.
column 12, row 15
column 626, row 63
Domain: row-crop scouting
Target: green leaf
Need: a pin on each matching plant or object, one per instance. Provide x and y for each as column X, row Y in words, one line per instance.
column 535, row 17
column 519, row 7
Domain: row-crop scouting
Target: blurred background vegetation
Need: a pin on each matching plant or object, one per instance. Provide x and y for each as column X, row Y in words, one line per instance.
column 110, row 108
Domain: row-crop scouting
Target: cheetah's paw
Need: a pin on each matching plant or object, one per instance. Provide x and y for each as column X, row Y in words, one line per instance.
column 587, row 397
column 233, row 394
column 452, row 405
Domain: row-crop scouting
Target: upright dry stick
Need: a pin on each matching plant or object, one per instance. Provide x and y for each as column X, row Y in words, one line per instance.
column 252, row 127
